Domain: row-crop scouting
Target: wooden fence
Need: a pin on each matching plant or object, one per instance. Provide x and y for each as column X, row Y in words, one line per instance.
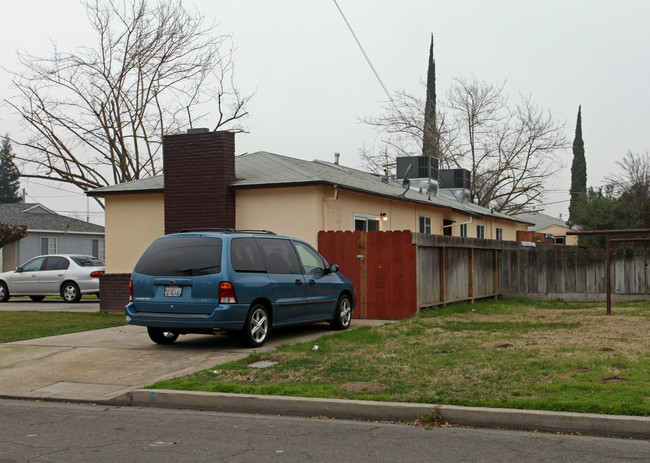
column 397, row 273
column 572, row 273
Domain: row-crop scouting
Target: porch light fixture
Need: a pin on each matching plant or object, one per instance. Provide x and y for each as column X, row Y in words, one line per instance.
column 383, row 216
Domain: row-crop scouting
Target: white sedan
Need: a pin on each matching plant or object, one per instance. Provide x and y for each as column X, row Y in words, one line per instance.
column 68, row 276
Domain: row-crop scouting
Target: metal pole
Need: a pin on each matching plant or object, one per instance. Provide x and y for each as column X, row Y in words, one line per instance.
column 609, row 281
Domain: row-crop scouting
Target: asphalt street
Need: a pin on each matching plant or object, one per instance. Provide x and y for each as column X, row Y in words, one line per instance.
column 74, row 433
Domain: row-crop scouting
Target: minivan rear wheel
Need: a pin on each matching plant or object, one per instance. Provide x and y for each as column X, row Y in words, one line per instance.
column 256, row 328
column 161, row 335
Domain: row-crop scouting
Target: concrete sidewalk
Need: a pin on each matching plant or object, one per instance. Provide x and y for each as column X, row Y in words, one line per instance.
column 49, row 305
column 110, row 366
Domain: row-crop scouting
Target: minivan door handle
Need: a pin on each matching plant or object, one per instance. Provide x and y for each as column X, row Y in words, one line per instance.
column 298, row 282
column 312, row 282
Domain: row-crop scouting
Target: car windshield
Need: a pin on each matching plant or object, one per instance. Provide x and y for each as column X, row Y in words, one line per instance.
column 87, row 261
column 181, row 256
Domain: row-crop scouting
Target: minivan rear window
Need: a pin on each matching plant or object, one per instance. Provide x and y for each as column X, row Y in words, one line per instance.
column 181, row 256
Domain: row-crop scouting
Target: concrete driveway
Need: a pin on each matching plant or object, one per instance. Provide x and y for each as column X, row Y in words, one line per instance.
column 105, row 364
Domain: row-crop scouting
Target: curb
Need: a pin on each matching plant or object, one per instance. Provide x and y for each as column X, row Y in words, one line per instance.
column 587, row 423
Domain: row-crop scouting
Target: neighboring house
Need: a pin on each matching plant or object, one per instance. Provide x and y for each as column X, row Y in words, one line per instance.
column 554, row 230
column 47, row 233
column 206, row 186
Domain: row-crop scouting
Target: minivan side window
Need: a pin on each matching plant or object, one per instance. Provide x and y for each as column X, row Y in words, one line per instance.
column 311, row 261
column 279, row 255
column 246, row 256
column 181, row 256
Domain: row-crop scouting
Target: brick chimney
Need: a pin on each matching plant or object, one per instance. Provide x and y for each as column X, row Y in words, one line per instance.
column 198, row 167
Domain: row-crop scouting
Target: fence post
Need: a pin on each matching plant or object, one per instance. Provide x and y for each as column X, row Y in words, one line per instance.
column 443, row 260
column 495, row 273
column 470, row 275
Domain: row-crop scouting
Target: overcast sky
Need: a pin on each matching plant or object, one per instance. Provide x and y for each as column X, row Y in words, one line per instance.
column 313, row 84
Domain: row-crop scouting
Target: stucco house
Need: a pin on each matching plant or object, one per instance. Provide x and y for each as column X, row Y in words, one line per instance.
column 47, row 233
column 554, row 229
column 204, row 185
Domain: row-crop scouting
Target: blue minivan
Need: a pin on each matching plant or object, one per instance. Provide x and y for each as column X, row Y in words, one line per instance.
column 204, row 281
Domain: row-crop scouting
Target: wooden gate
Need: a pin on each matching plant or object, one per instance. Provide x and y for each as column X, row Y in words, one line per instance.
column 382, row 267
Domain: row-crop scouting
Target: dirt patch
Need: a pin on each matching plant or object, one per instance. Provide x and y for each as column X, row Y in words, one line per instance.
column 612, row 379
column 580, row 369
column 361, row 387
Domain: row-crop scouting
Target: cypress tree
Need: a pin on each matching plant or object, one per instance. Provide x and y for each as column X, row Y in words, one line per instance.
column 430, row 142
column 578, row 168
column 9, row 175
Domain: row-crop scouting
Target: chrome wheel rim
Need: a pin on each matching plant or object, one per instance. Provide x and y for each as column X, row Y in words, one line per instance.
column 345, row 312
column 259, row 325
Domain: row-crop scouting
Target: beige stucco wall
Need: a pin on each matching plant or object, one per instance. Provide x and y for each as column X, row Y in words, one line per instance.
column 132, row 222
column 295, row 212
column 304, row 211
column 556, row 230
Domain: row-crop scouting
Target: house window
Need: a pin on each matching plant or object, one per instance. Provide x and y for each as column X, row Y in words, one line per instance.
column 99, row 250
column 446, row 227
column 463, row 230
column 48, row 246
column 499, row 233
column 365, row 222
column 425, row 225
column 558, row 240
column 480, row 232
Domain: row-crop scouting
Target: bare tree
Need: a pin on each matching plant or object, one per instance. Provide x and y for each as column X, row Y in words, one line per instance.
column 510, row 150
column 10, row 233
column 400, row 132
column 95, row 116
column 635, row 175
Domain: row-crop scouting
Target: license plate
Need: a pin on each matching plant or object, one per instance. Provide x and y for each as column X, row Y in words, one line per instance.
column 173, row 291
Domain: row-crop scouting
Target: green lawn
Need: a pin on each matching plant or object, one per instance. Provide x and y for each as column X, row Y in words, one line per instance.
column 18, row 326
column 512, row 354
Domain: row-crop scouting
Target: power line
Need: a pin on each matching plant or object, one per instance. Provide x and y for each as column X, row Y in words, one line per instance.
column 364, row 52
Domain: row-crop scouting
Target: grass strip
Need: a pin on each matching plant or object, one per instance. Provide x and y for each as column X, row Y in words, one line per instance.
column 19, row 326
column 513, row 353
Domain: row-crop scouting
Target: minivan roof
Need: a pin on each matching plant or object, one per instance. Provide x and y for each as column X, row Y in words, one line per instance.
column 227, row 230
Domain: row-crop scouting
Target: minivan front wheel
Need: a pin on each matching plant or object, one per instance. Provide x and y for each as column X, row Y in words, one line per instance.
column 256, row 328
column 343, row 314
column 161, row 335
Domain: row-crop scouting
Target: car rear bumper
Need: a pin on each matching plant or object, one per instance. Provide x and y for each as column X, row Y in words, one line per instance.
column 222, row 317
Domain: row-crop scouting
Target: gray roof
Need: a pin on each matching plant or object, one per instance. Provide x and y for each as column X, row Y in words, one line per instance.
column 145, row 185
column 263, row 169
column 540, row 221
column 38, row 217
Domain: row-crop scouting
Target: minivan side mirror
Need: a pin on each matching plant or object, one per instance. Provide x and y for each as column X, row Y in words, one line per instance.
column 333, row 268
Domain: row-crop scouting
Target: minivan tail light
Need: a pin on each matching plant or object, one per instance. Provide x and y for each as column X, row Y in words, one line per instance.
column 227, row 293
column 130, row 291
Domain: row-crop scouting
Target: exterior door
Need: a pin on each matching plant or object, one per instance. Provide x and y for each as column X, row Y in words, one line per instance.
column 25, row 281
column 52, row 274
column 287, row 281
column 321, row 289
